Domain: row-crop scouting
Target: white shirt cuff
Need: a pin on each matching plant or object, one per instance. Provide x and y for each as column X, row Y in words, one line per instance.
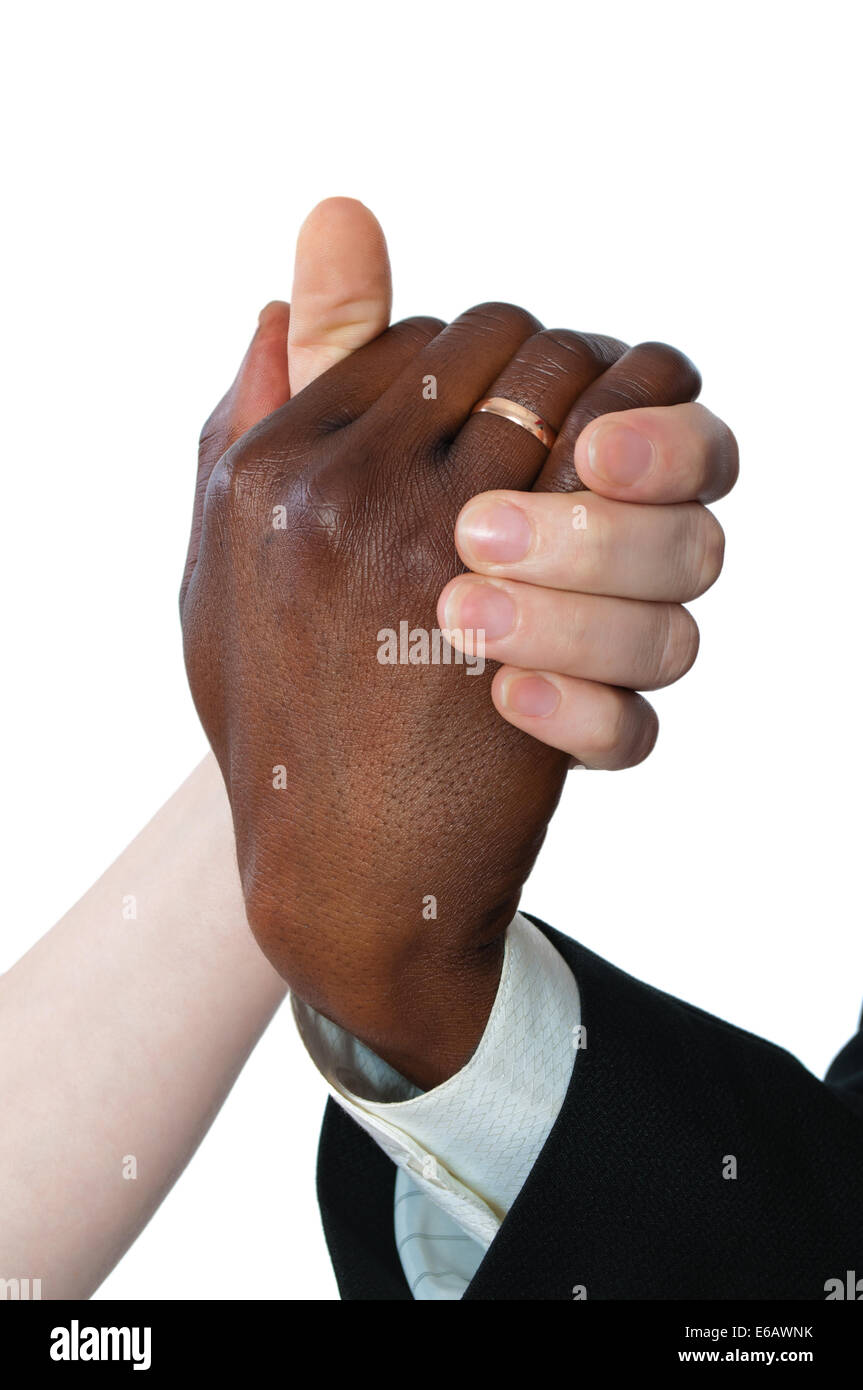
column 470, row 1142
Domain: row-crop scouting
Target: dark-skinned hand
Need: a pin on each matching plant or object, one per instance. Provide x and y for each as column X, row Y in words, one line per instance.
column 360, row 791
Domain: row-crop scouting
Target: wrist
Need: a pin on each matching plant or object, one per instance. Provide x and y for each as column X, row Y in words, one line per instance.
column 419, row 1001
column 430, row 1023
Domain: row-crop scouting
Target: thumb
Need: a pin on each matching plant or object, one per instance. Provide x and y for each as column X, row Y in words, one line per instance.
column 342, row 292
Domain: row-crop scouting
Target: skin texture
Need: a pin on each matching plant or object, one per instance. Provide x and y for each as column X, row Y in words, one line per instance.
column 399, row 781
column 603, row 599
column 341, row 299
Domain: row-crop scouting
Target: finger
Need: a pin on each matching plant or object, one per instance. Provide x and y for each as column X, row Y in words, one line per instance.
column 546, row 375
column 350, row 388
column 651, row 374
column 598, row 725
column 643, row 646
column 342, row 292
column 592, row 545
column 677, row 454
column 260, row 387
column 433, row 397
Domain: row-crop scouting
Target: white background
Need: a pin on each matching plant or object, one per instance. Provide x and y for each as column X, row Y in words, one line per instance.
column 684, row 172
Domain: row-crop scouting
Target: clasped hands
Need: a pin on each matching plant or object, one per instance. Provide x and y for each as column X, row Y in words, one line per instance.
column 338, row 496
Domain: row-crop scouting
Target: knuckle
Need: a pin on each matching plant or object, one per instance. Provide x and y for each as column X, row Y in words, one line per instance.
column 675, row 645
column 626, row 733
column 715, row 446
column 645, row 728
column 706, row 551
column 588, row 349
column 239, row 482
column 606, row 350
column 660, row 368
column 556, row 355
column 497, row 317
column 420, row 329
column 610, row 734
column 728, row 453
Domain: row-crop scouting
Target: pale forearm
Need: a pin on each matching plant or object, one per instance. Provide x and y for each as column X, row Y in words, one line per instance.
column 121, row 1033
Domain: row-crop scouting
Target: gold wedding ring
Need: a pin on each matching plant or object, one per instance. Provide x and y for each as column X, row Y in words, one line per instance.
column 511, row 410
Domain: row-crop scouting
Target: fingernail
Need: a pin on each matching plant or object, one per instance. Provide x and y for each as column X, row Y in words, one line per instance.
column 532, row 695
column 480, row 608
column 620, row 455
column 494, row 533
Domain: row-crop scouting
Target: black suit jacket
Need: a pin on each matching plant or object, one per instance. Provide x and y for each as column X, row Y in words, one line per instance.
column 627, row 1197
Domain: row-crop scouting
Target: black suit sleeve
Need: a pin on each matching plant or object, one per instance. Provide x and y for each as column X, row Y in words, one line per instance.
column 690, row 1159
column 845, row 1072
